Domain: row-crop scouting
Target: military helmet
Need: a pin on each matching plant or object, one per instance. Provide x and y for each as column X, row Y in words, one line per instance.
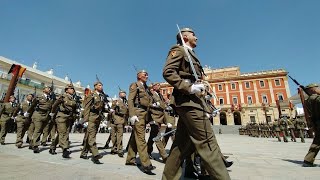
column 69, row 86
column 312, row 85
column 186, row 30
column 96, row 83
column 142, row 71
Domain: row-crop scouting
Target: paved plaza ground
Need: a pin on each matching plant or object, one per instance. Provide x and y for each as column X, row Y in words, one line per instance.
column 254, row 158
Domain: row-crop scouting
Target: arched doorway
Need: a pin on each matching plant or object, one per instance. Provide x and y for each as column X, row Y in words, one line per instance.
column 223, row 118
column 237, row 118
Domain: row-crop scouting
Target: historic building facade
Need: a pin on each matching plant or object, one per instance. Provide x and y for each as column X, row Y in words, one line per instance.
column 33, row 79
column 246, row 97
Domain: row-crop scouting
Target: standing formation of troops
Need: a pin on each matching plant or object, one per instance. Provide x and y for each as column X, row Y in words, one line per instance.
column 185, row 116
column 283, row 127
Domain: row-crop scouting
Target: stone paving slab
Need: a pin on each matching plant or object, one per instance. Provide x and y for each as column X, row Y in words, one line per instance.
column 254, row 158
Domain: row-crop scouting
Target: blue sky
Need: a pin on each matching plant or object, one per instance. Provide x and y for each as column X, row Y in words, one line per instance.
column 83, row 38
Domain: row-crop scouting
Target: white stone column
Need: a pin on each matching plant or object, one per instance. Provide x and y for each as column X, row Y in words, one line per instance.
column 286, row 85
column 214, row 92
column 227, row 93
column 256, row 92
column 271, row 91
column 241, row 92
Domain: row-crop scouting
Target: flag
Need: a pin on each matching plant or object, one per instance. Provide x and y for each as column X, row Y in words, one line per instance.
column 14, row 69
column 21, row 71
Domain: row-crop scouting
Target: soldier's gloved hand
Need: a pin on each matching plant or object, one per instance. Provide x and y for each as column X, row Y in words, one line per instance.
column 109, row 128
column 169, row 125
column 196, row 88
column 51, row 114
column 26, row 114
column 133, row 119
column 111, row 110
column 13, row 118
column 78, row 110
column 153, row 122
column 156, row 104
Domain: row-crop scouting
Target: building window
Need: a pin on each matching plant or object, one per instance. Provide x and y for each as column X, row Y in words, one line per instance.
column 252, row 119
column 249, row 98
column 262, row 84
column 233, row 86
column 277, row 82
column 268, row 119
column 221, row 101
column 220, row 87
column 264, row 99
column 247, row 84
column 280, row 97
column 235, row 100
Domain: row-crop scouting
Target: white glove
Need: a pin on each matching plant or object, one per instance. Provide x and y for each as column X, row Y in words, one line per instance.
column 208, row 115
column 26, row 114
column 153, row 122
column 111, row 110
column 109, row 128
column 106, row 106
column 78, row 110
column 51, row 114
column 156, row 104
column 133, row 119
column 14, row 119
column 196, row 88
column 169, row 125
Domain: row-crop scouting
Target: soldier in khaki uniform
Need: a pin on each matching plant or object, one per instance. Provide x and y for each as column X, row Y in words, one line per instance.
column 284, row 127
column 65, row 107
column 157, row 119
column 139, row 101
column 6, row 114
column 40, row 109
column 194, row 131
column 291, row 124
column 300, row 125
column 94, row 107
column 276, row 128
column 312, row 104
column 49, row 129
column 23, row 123
column 120, row 113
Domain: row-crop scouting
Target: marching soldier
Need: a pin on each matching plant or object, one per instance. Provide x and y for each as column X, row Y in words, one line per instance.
column 291, row 127
column 312, row 103
column 23, row 123
column 6, row 114
column 139, row 101
column 121, row 113
column 300, row 125
column 194, row 131
column 157, row 118
column 65, row 109
column 276, row 128
column 284, row 127
column 95, row 105
column 40, row 109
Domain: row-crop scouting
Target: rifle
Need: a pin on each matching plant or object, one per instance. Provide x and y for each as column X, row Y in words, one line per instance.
column 52, row 94
column 158, row 137
column 301, row 86
column 77, row 99
column 18, row 97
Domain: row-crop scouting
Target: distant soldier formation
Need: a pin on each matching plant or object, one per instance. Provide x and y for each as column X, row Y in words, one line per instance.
column 283, row 127
column 185, row 116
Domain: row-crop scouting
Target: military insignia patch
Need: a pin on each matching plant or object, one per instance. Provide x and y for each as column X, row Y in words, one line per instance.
column 173, row 53
column 132, row 87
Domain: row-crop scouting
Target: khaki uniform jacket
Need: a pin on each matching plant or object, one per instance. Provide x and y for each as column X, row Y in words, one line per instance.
column 94, row 107
column 22, row 109
column 313, row 108
column 157, row 113
column 40, row 107
column 65, row 107
column 7, row 110
column 178, row 73
column 300, row 124
column 121, row 111
column 138, row 96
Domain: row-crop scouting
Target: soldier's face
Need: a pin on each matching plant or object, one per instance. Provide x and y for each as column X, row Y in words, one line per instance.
column 99, row 87
column 12, row 99
column 47, row 90
column 190, row 39
column 122, row 95
column 143, row 77
column 70, row 91
column 156, row 87
column 29, row 97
